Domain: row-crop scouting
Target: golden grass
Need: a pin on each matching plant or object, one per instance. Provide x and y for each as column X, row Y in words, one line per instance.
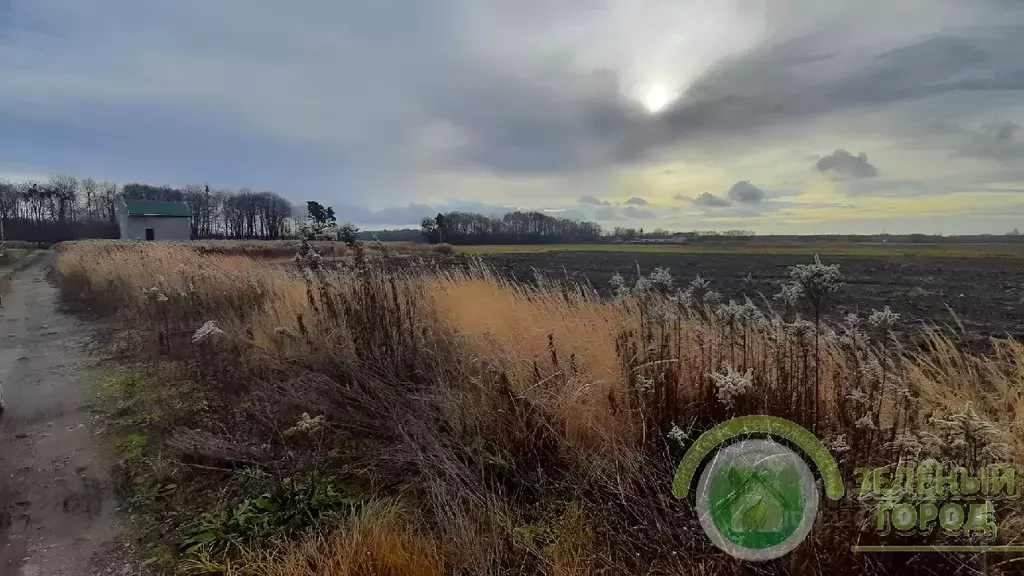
column 507, row 325
column 375, row 542
column 491, row 318
column 276, row 249
column 380, row 540
column 572, row 359
column 511, row 327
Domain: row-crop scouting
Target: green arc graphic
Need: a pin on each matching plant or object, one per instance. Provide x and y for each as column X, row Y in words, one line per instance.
column 773, row 425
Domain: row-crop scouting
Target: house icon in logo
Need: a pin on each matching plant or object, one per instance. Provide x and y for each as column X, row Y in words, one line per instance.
column 757, row 498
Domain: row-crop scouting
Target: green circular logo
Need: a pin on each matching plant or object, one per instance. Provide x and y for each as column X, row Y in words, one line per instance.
column 757, row 499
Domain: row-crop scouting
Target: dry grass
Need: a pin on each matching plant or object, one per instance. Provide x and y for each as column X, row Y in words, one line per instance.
column 286, row 248
column 378, row 541
column 274, row 249
column 524, row 426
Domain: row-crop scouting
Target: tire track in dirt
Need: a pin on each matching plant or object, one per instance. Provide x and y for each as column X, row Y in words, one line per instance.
column 58, row 510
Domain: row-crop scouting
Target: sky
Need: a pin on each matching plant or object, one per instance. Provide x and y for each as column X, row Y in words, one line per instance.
column 778, row 116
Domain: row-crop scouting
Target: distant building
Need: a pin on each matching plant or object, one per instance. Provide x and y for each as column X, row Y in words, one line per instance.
column 150, row 220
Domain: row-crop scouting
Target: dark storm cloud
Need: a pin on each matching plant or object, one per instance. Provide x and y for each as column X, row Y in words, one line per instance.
column 781, row 83
column 592, row 201
column 531, row 125
column 636, row 201
column 768, row 87
column 635, row 213
column 709, row 200
column 1001, row 141
column 397, row 215
column 845, row 164
column 413, row 213
column 743, row 192
column 606, row 213
column 570, row 214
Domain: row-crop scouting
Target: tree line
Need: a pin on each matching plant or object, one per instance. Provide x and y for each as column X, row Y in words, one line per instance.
column 244, row 214
column 67, row 208
column 512, row 228
column 539, row 228
column 631, row 234
column 59, row 209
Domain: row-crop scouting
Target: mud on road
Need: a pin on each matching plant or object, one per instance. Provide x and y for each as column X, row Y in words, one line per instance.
column 58, row 511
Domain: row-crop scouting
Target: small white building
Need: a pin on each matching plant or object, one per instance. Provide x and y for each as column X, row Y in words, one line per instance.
column 151, row 220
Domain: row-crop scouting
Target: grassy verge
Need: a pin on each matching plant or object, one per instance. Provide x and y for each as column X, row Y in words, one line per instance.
column 428, row 421
column 281, row 249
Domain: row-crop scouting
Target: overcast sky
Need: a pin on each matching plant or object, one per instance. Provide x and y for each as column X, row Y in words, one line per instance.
column 799, row 116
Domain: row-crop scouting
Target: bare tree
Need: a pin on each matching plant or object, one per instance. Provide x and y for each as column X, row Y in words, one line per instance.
column 8, row 207
column 64, row 191
column 90, row 192
column 63, row 208
column 108, row 201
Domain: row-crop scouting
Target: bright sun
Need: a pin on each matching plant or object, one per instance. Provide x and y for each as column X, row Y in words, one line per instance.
column 657, row 99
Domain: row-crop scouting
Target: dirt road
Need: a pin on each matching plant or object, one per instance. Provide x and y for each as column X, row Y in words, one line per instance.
column 58, row 513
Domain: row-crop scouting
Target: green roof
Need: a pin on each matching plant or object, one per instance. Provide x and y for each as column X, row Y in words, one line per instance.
column 153, row 208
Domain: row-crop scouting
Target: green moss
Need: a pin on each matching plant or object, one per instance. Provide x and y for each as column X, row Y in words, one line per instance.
column 130, row 446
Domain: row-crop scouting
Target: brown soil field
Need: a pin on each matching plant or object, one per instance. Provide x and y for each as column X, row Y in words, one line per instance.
column 985, row 294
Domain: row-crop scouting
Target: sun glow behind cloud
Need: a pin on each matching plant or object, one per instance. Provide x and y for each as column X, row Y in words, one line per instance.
column 662, row 47
column 657, row 98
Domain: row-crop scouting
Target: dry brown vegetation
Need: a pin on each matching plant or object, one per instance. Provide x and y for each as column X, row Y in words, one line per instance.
column 272, row 249
column 428, row 421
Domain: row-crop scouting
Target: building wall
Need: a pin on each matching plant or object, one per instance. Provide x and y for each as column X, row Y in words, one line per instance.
column 164, row 227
